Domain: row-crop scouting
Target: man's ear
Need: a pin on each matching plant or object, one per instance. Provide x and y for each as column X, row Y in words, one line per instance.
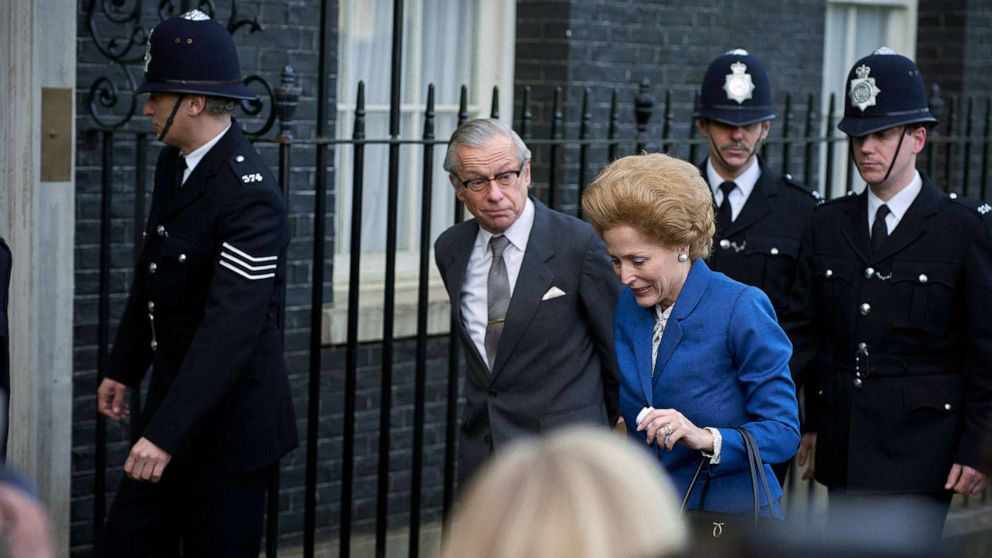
column 765, row 127
column 919, row 135
column 703, row 126
column 195, row 104
column 457, row 185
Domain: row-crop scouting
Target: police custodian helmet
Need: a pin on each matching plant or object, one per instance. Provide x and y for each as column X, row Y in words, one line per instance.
column 736, row 90
column 193, row 54
column 885, row 90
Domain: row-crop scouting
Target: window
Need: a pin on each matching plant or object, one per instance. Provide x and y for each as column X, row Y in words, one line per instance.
column 447, row 43
column 854, row 29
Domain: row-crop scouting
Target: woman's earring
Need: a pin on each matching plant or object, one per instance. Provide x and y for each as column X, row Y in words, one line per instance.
column 683, row 257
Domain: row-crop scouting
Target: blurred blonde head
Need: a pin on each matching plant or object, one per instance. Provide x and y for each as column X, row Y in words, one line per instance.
column 580, row 493
column 663, row 198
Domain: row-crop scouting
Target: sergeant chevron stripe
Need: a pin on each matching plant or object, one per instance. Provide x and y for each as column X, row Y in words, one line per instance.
column 241, row 262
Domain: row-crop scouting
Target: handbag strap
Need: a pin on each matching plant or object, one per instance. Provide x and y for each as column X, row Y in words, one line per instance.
column 756, row 470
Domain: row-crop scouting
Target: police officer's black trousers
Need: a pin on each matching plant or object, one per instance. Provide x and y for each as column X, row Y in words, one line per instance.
column 188, row 514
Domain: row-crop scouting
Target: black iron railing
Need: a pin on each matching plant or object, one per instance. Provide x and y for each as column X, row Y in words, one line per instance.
column 571, row 142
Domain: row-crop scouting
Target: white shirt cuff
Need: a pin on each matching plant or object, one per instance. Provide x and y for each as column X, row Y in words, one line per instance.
column 717, row 446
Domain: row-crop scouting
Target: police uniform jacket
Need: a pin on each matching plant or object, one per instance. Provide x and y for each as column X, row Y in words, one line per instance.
column 759, row 248
column 202, row 312
column 905, row 390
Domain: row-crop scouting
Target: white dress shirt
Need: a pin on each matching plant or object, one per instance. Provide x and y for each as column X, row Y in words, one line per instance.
column 898, row 205
column 738, row 196
column 194, row 157
column 474, row 295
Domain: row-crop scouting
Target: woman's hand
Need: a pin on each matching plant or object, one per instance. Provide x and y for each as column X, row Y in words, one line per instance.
column 668, row 427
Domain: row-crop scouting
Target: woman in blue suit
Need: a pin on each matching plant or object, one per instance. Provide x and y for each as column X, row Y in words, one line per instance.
column 698, row 352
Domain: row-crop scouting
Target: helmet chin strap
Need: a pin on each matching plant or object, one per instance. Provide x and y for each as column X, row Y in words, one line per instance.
column 715, row 149
column 892, row 163
column 172, row 117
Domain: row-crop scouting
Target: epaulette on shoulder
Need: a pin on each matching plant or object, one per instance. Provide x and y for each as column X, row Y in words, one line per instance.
column 839, row 199
column 981, row 207
column 788, row 179
column 245, row 168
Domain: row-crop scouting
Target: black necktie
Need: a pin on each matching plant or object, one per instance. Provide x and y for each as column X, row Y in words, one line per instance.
column 879, row 230
column 180, row 170
column 725, row 215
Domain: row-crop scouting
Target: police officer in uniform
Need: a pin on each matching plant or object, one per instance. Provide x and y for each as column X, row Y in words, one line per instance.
column 202, row 314
column 898, row 280
column 761, row 215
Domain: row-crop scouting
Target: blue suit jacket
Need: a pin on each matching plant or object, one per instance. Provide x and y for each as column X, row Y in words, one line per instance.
column 723, row 362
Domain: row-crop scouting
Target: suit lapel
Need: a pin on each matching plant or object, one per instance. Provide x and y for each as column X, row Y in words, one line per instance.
column 692, row 292
column 532, row 282
column 855, row 229
column 911, row 226
column 196, row 183
column 642, row 327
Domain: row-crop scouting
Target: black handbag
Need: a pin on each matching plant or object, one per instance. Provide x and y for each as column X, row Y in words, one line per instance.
column 720, row 524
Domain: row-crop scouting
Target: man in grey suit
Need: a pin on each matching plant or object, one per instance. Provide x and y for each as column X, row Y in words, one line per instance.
column 533, row 295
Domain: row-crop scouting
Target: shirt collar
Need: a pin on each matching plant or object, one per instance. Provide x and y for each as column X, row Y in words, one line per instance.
column 899, row 203
column 194, row 156
column 518, row 233
column 745, row 181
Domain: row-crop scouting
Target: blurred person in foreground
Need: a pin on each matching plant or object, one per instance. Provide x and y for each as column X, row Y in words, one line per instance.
column 25, row 531
column 579, row 493
column 698, row 352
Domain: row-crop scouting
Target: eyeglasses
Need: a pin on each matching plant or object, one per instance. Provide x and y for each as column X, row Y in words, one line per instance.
column 503, row 179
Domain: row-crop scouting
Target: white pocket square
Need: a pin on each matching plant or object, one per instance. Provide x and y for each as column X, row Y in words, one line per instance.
column 553, row 292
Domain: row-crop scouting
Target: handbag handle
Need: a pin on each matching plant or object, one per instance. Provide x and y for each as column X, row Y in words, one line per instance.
column 755, row 468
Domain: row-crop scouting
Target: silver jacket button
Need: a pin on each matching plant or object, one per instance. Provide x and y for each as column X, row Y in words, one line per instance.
column 862, row 346
column 152, row 267
column 239, row 159
column 869, row 272
column 724, row 244
column 924, row 278
column 947, row 406
column 953, row 195
column 774, row 251
column 829, row 273
column 865, row 309
column 857, row 382
column 160, row 230
column 182, row 258
column 154, row 344
column 151, row 306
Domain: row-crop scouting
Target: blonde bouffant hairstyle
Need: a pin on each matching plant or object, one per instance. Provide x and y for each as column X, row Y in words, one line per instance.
column 663, row 198
column 581, row 493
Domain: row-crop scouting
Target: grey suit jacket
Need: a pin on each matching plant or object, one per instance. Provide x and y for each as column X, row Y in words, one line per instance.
column 555, row 363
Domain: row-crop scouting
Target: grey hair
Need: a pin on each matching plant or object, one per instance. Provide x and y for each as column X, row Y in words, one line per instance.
column 219, row 106
column 478, row 132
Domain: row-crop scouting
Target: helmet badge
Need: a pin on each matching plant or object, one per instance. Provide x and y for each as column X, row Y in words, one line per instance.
column 738, row 84
column 195, row 15
column 863, row 89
